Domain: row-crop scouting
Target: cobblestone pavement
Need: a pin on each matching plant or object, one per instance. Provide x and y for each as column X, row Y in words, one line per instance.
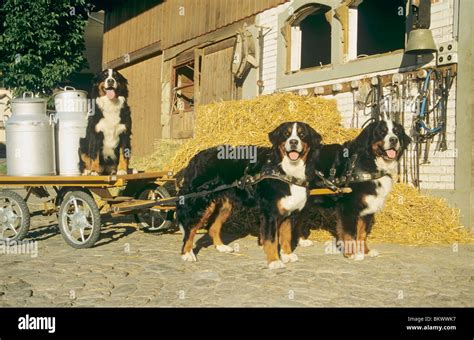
column 129, row 267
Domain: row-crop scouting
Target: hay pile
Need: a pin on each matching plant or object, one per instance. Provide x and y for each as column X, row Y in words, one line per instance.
column 412, row 218
column 244, row 122
column 164, row 150
column 408, row 217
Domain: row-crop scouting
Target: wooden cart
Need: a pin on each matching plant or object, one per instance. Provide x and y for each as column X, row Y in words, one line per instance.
column 76, row 203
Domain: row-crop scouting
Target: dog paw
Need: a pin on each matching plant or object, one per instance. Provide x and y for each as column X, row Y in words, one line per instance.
column 305, row 243
column 86, row 172
column 189, row 257
column 276, row 265
column 94, row 173
column 292, row 257
column 373, row 253
column 121, row 172
column 134, row 171
column 222, row 248
column 357, row 256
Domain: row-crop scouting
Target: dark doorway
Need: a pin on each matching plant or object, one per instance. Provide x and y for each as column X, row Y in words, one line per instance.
column 381, row 26
column 315, row 40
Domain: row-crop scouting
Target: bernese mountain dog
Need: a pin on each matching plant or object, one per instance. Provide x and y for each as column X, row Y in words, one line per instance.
column 373, row 157
column 294, row 145
column 106, row 148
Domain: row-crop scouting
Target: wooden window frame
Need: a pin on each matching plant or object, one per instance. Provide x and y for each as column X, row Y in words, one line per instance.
column 294, row 20
column 178, row 62
column 351, row 34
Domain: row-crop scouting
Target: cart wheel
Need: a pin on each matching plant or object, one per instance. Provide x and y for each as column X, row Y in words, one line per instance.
column 154, row 220
column 79, row 219
column 14, row 216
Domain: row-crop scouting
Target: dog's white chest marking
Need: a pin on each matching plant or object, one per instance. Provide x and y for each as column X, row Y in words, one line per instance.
column 296, row 200
column 298, row 195
column 375, row 202
column 110, row 125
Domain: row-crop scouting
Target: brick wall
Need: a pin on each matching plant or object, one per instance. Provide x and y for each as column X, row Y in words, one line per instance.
column 438, row 173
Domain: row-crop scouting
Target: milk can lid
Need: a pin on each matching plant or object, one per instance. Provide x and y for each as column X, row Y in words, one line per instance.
column 28, row 97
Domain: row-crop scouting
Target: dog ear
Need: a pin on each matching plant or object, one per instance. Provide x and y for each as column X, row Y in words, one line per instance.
column 405, row 140
column 314, row 151
column 97, row 78
column 273, row 136
column 366, row 135
column 315, row 137
column 121, row 78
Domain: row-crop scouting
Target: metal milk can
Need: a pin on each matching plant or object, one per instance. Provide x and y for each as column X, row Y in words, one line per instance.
column 70, row 127
column 29, row 138
column 70, row 100
column 71, row 115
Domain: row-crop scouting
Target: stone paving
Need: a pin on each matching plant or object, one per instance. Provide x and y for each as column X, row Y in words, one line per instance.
column 129, row 267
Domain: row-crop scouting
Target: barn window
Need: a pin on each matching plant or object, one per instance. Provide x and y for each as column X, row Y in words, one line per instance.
column 308, row 37
column 380, row 27
column 183, row 90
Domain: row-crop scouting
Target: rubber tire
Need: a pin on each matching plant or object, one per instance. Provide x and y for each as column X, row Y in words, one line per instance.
column 142, row 195
column 25, row 224
column 89, row 200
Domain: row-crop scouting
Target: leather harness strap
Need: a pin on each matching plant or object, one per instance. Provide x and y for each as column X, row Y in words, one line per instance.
column 269, row 172
column 361, row 176
column 244, row 182
column 350, row 176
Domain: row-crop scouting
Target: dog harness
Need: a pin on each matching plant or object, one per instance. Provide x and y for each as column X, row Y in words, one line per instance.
column 349, row 176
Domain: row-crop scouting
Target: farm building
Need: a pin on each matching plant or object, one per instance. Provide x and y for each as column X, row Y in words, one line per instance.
column 179, row 54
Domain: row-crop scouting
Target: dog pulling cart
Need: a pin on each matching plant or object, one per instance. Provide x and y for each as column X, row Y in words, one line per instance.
column 78, row 198
column 77, row 203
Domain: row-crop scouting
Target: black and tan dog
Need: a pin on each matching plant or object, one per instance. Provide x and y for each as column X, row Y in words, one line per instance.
column 374, row 155
column 106, row 148
column 293, row 146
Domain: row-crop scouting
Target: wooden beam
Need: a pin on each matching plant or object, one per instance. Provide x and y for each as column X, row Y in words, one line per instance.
column 207, row 39
column 135, row 56
column 219, row 46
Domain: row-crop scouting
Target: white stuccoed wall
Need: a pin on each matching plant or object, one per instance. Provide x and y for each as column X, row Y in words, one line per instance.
column 270, row 19
column 439, row 172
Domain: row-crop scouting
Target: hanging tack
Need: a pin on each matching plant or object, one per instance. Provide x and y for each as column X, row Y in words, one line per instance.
column 397, row 78
column 319, row 90
column 337, row 87
column 421, row 74
column 303, row 92
column 354, row 84
column 374, row 81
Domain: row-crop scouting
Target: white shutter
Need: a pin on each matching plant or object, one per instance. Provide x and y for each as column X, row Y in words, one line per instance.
column 295, row 48
column 352, row 33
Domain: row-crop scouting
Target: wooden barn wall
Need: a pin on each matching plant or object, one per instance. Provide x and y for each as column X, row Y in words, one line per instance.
column 136, row 24
column 144, row 81
column 124, row 34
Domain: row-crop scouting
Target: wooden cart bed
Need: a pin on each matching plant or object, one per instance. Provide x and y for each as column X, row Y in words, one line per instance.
column 86, row 181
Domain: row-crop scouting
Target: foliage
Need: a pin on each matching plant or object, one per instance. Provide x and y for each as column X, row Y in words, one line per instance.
column 41, row 43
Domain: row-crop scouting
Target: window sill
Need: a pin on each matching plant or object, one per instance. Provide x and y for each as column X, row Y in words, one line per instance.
column 371, row 64
column 375, row 56
column 310, row 69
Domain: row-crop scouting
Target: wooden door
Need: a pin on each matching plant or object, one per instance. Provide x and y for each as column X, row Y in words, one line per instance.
column 144, row 84
column 217, row 81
